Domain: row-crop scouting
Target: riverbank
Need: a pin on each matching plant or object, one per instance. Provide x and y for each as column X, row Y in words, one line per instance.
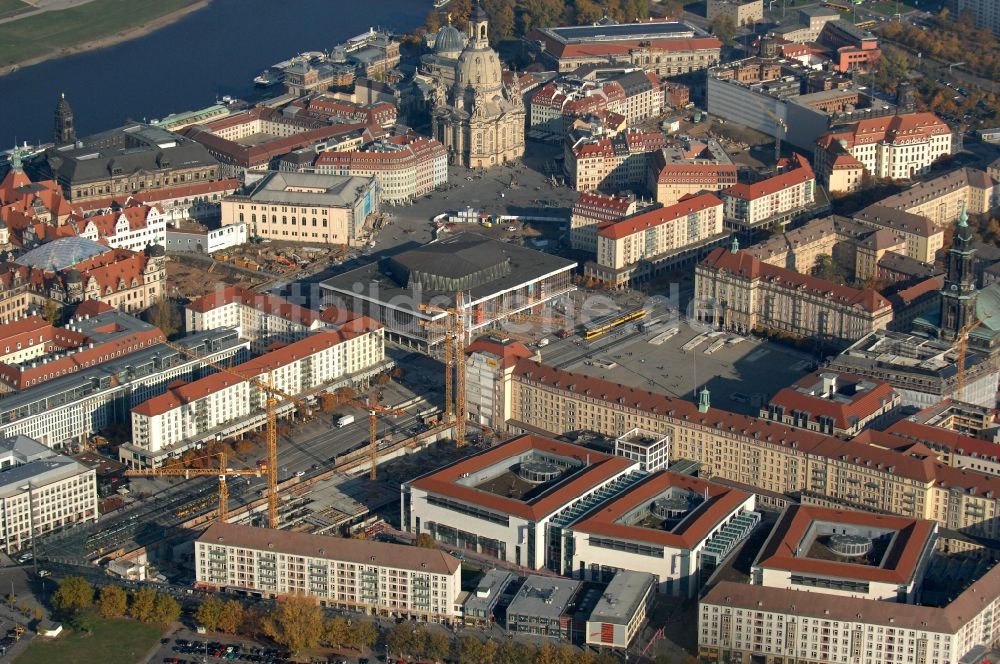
column 88, row 27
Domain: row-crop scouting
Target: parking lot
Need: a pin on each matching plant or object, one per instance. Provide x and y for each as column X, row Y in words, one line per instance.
column 741, row 373
column 195, row 649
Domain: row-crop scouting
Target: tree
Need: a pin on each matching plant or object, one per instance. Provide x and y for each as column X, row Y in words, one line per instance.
column 824, row 267
column 112, row 602
column 53, row 312
column 425, row 541
column 295, row 623
column 232, row 617
column 74, row 595
column 509, row 652
column 336, row 631
column 724, row 27
column 438, row 645
column 209, row 613
column 382, row 379
column 362, row 634
column 143, row 605
column 405, row 639
column 165, row 609
column 164, row 315
column 253, row 623
column 469, row 650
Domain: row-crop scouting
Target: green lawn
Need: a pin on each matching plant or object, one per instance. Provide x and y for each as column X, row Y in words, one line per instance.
column 48, row 32
column 13, row 7
column 112, row 642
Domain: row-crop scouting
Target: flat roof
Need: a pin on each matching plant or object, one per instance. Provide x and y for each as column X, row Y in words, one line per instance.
column 788, row 547
column 417, row 276
column 597, row 468
column 622, row 598
column 488, row 590
column 544, row 596
column 38, row 474
column 622, row 31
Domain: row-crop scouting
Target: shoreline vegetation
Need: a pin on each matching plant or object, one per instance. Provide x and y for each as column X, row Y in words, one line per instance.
column 61, row 33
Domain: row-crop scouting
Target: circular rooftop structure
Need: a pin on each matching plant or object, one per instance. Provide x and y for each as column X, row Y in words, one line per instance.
column 449, row 40
column 62, row 253
column 669, row 507
column 538, row 472
column 849, row 546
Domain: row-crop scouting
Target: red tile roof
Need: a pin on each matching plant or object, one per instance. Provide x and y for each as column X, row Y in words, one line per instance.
column 270, row 304
column 802, row 173
column 894, row 129
column 861, row 405
column 561, row 50
column 750, row 267
column 617, row 230
column 509, row 351
column 25, row 375
column 720, row 503
column 259, row 366
column 863, row 450
column 599, row 468
column 901, row 561
column 600, row 206
column 938, row 437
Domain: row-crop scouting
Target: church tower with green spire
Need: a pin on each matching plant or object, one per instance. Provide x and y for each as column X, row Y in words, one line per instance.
column 958, row 298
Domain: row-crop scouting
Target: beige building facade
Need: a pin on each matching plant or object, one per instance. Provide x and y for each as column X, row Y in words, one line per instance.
column 642, row 244
column 742, row 13
column 743, row 294
column 755, row 452
column 305, row 207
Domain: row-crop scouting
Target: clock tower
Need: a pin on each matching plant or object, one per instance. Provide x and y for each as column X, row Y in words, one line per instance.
column 958, row 298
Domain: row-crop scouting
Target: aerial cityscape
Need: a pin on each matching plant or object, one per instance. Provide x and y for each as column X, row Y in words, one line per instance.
column 500, row 331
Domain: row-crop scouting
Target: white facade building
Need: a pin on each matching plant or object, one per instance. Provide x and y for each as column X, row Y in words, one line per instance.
column 260, row 318
column 456, row 505
column 206, row 241
column 134, row 227
column 373, row 577
column 894, row 146
column 41, row 491
column 676, row 527
column 651, row 450
column 189, row 413
column 67, row 410
column 749, row 205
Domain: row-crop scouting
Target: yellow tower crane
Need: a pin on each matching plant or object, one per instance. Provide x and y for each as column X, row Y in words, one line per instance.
column 374, row 408
column 222, row 471
column 272, row 423
column 963, row 348
column 454, row 328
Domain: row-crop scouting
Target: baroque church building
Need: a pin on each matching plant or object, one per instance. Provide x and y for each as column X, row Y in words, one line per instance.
column 480, row 120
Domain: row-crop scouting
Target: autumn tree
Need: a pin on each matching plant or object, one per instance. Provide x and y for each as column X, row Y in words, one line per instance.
column 143, row 605
column 425, row 541
column 165, row 315
column 405, row 639
column 469, row 650
column 112, row 602
column 336, row 631
column 296, row 623
column 209, row 613
column 724, row 27
column 509, row 652
column 74, row 594
column 362, row 634
column 232, row 617
column 53, row 312
column 437, row 645
column 166, row 610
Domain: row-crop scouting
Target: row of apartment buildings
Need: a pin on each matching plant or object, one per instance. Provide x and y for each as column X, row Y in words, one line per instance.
column 186, row 415
column 890, row 475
